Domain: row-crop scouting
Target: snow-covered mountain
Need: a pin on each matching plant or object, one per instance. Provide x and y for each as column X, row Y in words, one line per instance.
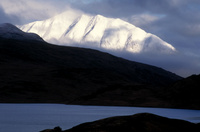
column 70, row 28
column 10, row 31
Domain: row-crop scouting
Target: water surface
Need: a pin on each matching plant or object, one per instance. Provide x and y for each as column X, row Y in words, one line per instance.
column 36, row 117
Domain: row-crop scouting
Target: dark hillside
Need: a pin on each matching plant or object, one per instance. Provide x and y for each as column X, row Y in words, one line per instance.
column 35, row 71
column 185, row 93
column 142, row 122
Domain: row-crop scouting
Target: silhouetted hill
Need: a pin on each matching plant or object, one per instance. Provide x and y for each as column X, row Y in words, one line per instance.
column 143, row 122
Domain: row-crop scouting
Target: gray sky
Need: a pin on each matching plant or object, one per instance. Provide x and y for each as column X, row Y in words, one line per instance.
column 175, row 21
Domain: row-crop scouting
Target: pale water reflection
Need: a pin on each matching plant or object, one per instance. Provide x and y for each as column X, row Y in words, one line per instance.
column 36, row 117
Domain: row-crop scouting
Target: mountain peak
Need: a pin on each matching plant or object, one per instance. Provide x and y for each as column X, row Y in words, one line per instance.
column 99, row 16
column 10, row 31
column 78, row 29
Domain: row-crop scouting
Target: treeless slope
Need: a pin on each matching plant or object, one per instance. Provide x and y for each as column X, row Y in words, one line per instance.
column 35, row 71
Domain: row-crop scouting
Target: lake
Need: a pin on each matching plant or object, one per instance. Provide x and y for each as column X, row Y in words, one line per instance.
column 37, row 117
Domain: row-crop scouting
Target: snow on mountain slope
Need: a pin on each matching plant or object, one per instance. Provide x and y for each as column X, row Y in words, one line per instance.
column 70, row 28
column 9, row 31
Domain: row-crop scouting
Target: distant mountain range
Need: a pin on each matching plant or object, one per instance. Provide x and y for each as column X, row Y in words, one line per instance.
column 35, row 71
column 99, row 32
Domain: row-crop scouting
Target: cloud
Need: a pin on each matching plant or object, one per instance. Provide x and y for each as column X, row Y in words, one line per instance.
column 126, row 8
column 31, row 10
column 180, row 63
column 142, row 20
column 7, row 18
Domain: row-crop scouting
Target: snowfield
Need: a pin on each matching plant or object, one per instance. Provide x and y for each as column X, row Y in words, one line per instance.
column 71, row 28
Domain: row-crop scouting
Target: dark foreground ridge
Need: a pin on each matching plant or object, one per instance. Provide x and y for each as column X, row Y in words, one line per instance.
column 143, row 122
column 35, row 71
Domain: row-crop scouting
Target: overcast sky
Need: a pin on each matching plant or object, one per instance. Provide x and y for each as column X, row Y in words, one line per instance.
column 175, row 21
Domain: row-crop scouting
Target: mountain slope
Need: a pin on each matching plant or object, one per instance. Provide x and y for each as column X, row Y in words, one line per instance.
column 35, row 71
column 9, row 31
column 97, row 32
column 185, row 93
column 181, row 94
